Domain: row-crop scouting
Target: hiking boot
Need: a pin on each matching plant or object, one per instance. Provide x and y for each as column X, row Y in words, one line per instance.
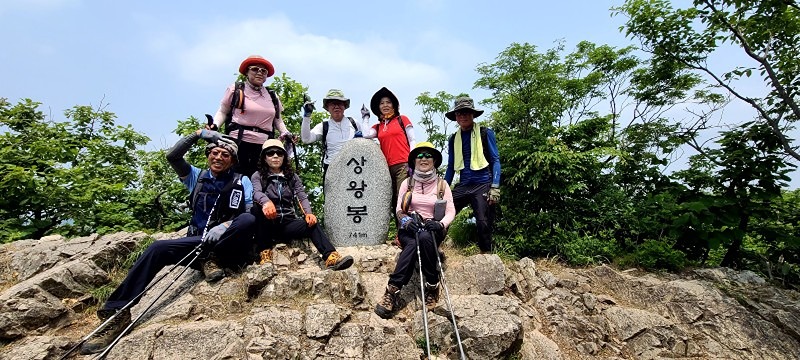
column 106, row 335
column 390, row 303
column 266, row 256
column 431, row 295
column 212, row 271
column 337, row 262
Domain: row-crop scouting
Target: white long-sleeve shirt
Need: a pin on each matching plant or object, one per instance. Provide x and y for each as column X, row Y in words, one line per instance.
column 339, row 132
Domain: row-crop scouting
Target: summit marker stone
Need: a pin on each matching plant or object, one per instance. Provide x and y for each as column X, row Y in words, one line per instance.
column 358, row 195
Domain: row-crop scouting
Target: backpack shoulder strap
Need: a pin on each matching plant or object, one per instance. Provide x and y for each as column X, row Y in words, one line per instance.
column 325, row 126
column 353, row 122
column 196, row 191
column 237, row 178
column 440, row 184
column 403, row 128
column 407, row 196
column 274, row 98
column 237, row 102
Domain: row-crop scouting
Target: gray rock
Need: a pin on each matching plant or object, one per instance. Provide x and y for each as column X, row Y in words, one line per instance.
column 274, row 320
column 358, row 195
column 256, row 277
column 270, row 346
column 35, row 304
column 539, row 347
column 478, row 274
column 30, row 312
column 322, row 319
column 343, row 287
column 197, row 340
column 37, row 348
column 630, row 322
column 490, row 337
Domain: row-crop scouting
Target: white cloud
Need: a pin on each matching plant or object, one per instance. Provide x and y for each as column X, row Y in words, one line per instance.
column 321, row 62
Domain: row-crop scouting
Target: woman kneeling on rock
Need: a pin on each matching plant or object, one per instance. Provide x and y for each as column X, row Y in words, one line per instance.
column 275, row 186
column 424, row 211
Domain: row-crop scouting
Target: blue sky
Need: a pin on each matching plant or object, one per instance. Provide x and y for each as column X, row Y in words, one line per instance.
column 155, row 62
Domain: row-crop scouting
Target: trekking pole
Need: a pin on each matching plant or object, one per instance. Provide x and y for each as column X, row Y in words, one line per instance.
column 197, row 251
column 416, row 218
column 127, row 306
column 447, row 296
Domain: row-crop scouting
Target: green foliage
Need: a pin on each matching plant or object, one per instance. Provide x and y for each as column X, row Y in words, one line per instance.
column 309, row 156
column 461, row 230
column 68, row 177
column 587, row 249
column 422, row 345
column 655, row 255
column 682, row 42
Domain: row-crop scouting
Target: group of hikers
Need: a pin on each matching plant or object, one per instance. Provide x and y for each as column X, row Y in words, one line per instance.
column 243, row 203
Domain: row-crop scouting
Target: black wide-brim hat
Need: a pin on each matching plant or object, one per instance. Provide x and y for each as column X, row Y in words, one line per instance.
column 463, row 103
column 426, row 147
column 376, row 99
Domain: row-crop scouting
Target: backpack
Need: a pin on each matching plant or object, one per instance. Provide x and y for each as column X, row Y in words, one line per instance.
column 485, row 143
column 325, row 136
column 237, row 102
column 196, row 193
column 440, row 189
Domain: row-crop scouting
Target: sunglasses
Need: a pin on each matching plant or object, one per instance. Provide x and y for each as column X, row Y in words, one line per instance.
column 273, row 153
column 258, row 70
column 424, row 155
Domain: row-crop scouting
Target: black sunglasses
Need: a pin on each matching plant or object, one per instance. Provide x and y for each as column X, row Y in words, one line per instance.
column 424, row 155
column 273, row 153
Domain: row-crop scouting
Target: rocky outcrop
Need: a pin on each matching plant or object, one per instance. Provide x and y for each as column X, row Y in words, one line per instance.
column 293, row 309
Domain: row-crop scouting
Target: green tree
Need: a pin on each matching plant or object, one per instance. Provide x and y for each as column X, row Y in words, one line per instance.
column 68, row 177
column 736, row 182
column 433, row 110
column 683, row 40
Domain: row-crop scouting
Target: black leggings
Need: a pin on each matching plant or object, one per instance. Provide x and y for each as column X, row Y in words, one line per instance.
column 270, row 232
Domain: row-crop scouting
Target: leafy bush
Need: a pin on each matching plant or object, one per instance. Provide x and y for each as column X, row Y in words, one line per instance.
column 656, row 255
column 587, row 249
column 463, row 230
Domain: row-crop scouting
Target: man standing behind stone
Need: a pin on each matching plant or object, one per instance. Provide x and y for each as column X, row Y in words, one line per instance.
column 472, row 151
column 332, row 132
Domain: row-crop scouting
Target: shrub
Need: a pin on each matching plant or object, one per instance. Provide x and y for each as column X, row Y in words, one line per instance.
column 587, row 249
column 656, row 255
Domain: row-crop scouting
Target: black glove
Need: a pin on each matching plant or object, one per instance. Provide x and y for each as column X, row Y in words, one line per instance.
column 433, row 225
column 213, row 235
column 408, row 224
column 210, row 135
column 364, row 112
column 308, row 105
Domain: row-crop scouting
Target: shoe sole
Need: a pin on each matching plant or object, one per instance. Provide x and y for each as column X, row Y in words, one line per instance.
column 344, row 263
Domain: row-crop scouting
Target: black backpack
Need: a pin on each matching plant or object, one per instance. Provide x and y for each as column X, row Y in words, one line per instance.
column 237, row 102
column 325, row 136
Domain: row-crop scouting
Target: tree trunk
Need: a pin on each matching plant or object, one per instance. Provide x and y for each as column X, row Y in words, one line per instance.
column 732, row 256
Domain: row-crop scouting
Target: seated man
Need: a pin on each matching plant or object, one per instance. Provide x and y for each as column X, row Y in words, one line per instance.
column 220, row 200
